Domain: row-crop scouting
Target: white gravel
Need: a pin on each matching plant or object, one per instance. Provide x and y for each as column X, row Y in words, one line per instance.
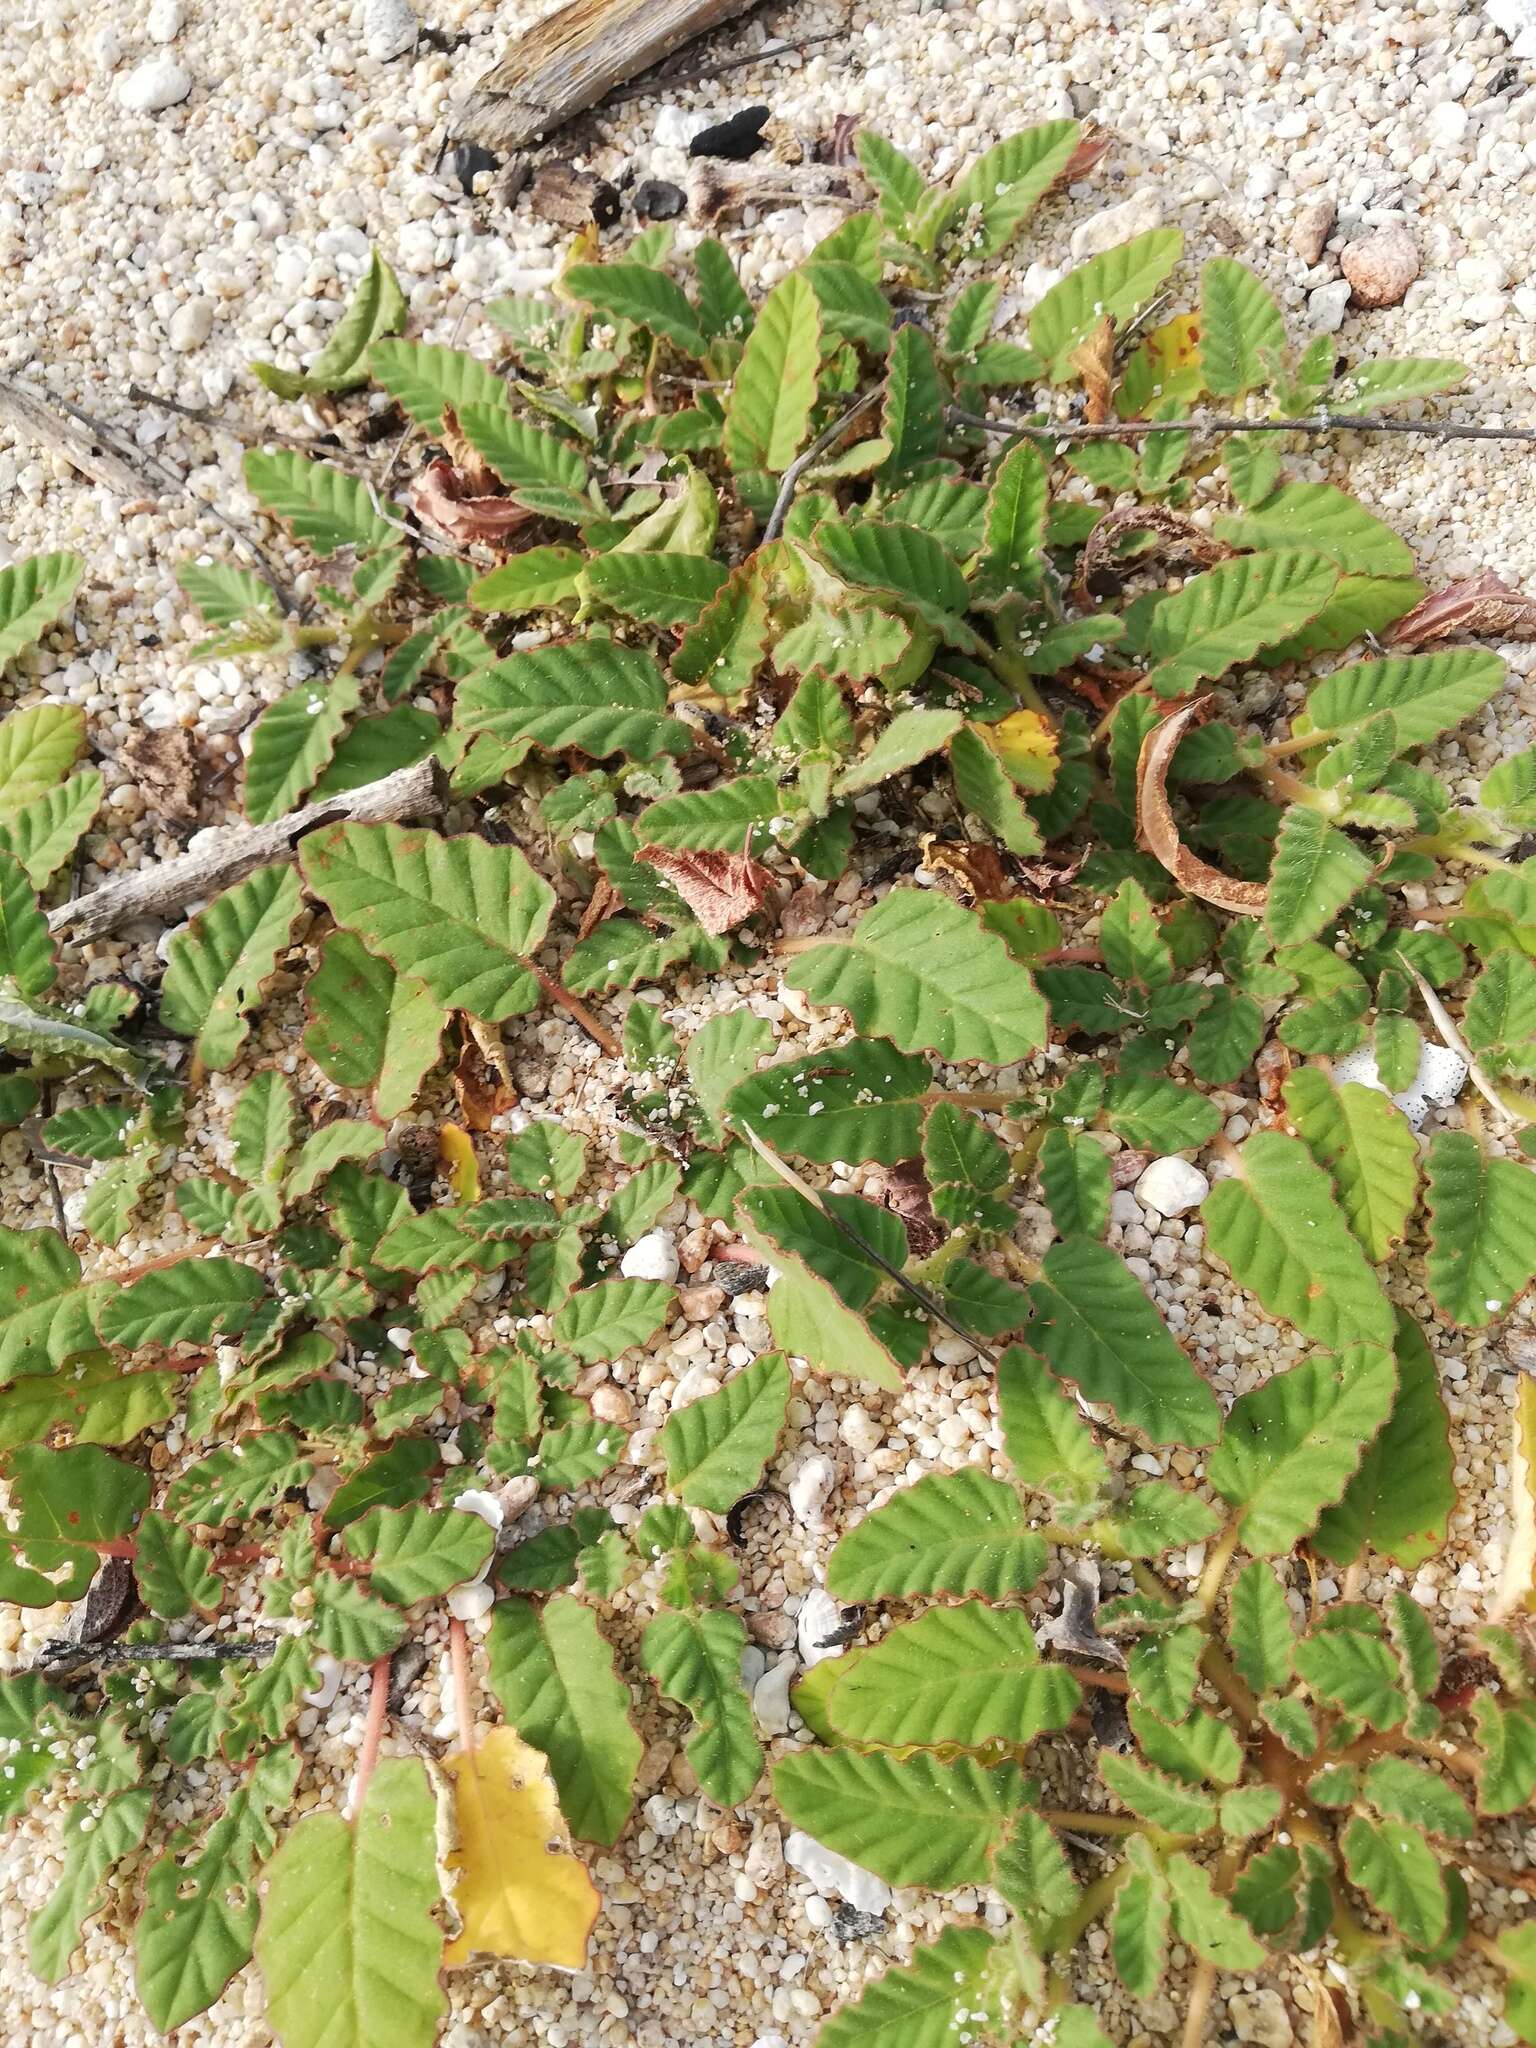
column 175, row 200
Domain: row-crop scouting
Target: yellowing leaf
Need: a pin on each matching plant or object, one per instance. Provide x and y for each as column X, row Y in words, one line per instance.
column 1025, row 743
column 457, row 1153
column 521, row 1889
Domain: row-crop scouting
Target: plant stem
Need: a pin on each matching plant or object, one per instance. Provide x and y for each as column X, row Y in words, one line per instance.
column 373, row 1734
column 1083, row 1823
column 802, row 463
column 1069, row 1930
column 463, row 1714
column 1209, row 1590
column 1198, row 2010
column 598, row 1033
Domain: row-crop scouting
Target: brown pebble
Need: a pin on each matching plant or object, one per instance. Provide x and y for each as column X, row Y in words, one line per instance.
column 1380, row 267
column 772, row 1631
column 1314, row 224
column 698, row 1304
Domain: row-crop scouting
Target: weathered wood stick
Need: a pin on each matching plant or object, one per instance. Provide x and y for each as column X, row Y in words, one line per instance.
column 170, row 885
column 89, row 445
column 567, row 62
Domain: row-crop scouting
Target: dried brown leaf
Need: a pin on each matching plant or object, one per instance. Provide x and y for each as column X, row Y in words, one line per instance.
column 1175, row 538
column 1483, row 605
column 721, row 889
column 442, row 499
column 907, row 1195
column 1158, row 831
column 966, row 869
column 482, row 1081
column 1094, row 361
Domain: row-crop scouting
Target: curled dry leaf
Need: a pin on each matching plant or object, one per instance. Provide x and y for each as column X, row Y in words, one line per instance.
column 1083, row 158
column 721, row 889
column 968, row 870
column 475, row 473
column 1158, row 831
column 1482, row 604
column 908, row 1196
column 1174, row 537
column 482, row 1082
column 1273, row 1067
column 442, row 499
column 1094, row 361
column 522, row 1892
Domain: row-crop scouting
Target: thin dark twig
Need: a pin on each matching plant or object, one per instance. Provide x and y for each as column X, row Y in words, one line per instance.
column 802, row 463
column 1313, row 423
column 57, row 1656
column 661, row 79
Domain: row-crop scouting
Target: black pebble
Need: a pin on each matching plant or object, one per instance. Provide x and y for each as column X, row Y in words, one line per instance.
column 735, row 140
column 465, row 161
column 655, row 199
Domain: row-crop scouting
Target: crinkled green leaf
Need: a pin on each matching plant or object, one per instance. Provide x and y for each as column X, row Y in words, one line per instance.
column 951, row 1532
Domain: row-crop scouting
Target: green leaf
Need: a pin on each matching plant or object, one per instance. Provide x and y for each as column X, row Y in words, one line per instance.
column 97, row 1836
column 1352, row 1670
column 175, row 1575
column 536, row 580
column 604, row 1321
column 730, row 638
column 1278, row 1228
column 863, row 1100
column 1242, row 330
column 425, row 379
column 33, row 593
column 1500, row 1017
column 554, row 1676
column 1138, row 1931
column 370, row 1027
column 983, row 785
column 261, row 1128
column 774, row 387
column 696, row 1659
column 1411, row 1792
column 906, row 564
column 1074, row 1178
column 918, row 2004
column 1095, row 1326
column 967, row 1168
column 38, row 746
column 243, row 1478
column 186, row 1303
column 377, row 307
column 1160, row 1801
column 967, row 1675
column 1509, row 791
column 459, row 915
column 1367, row 1148
column 326, row 1149
column 541, row 471
column 658, row 589
column 1199, row 1750
column 1158, row 1517
column 45, row 1313
column 218, row 964
column 351, row 1625
column 1327, row 520
column 291, row 743
column 808, row 1315
column 952, row 1532
column 1046, row 1436
column 324, row 506
column 638, row 292
column 1482, row 1230
column 1291, row 1445
column 1401, row 1499
column 199, row 1919
column 44, row 833
column 1315, row 871
column 1427, row 694
column 1131, row 938
column 591, row 695
column 348, row 1946
column 911, row 736
column 1507, row 1735
column 911, row 1820
column 1114, row 286
column 1017, row 504
column 913, row 416
column 418, row 1553
column 546, row 1159
column 26, row 951
column 1203, row 1919
column 1369, row 386
column 716, row 1447
column 1223, row 618
column 1396, row 1869
column 992, row 199
column 1150, row 1111
column 921, row 971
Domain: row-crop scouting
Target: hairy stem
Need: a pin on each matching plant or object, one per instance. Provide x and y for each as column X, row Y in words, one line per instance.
column 373, row 1734
column 1198, row 2010
column 1217, row 1559
column 463, row 1713
column 597, row 1032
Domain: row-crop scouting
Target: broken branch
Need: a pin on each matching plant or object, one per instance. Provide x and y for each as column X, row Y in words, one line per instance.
column 1214, row 423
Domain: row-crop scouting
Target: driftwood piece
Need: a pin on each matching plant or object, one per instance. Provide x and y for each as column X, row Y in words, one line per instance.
column 171, row 885
column 570, row 60
column 95, row 449
column 716, row 187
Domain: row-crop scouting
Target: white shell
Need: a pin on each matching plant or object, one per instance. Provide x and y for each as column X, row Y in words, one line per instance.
column 652, row 1257
column 830, row 1872
column 1172, row 1186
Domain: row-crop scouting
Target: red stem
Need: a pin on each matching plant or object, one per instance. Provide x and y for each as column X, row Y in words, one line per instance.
column 373, row 1733
column 599, row 1033
column 458, row 1651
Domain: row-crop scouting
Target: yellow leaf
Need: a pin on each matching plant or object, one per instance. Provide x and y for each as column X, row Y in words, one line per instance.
column 1170, row 357
column 1025, row 743
column 521, row 1890
column 457, row 1153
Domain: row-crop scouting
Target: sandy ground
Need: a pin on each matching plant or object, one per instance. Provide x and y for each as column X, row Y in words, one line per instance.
column 163, row 250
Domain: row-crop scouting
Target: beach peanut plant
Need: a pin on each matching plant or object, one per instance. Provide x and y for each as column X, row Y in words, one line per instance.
column 1119, row 741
